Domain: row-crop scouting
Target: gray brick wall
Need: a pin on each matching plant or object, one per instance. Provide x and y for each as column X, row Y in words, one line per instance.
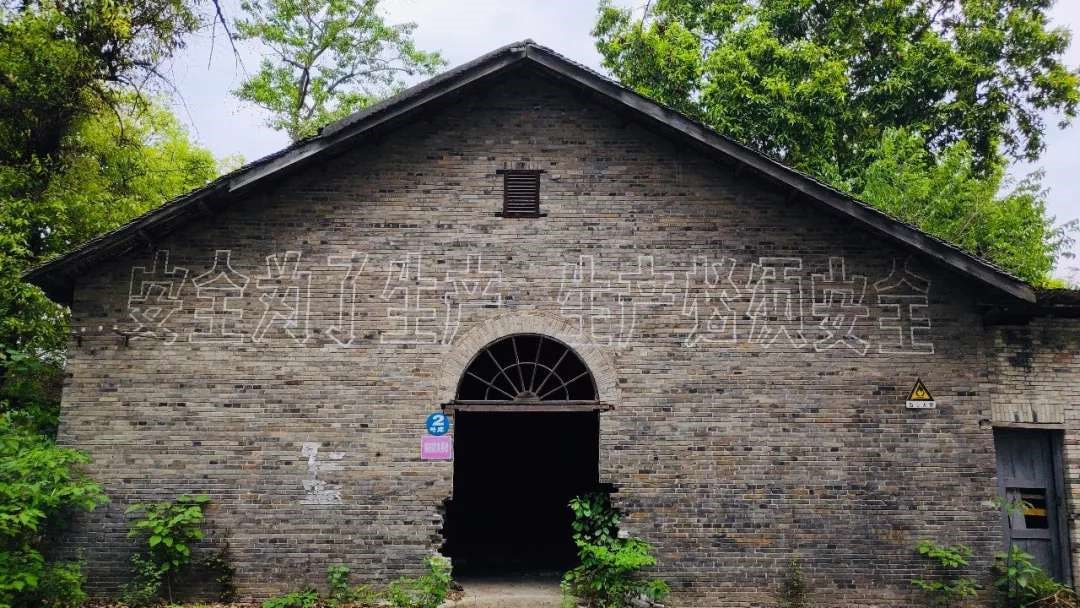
column 1036, row 384
column 757, row 352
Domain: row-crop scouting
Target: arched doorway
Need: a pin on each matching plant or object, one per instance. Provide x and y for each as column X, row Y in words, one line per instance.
column 526, row 441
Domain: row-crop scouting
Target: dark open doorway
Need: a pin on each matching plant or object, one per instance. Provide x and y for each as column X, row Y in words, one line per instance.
column 514, row 473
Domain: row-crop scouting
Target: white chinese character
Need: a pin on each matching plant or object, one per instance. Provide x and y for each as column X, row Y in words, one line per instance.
column 220, row 285
column 154, row 296
column 776, row 301
column 641, row 289
column 906, row 295
column 343, row 331
column 838, row 301
column 709, row 301
column 582, row 298
column 413, row 317
column 285, row 298
column 473, row 287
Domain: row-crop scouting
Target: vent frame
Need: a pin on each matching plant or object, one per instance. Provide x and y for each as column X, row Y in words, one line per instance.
column 518, row 202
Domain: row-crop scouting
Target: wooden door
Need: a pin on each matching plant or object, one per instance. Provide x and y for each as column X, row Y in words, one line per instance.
column 1029, row 470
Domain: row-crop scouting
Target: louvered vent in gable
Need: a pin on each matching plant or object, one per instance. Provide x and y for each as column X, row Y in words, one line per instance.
column 521, row 192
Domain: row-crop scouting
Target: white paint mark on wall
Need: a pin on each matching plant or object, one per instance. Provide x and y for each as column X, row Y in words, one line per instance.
column 216, row 321
column 343, row 331
column 412, row 317
column 286, row 297
column 903, row 297
column 319, row 491
column 471, row 287
column 154, row 295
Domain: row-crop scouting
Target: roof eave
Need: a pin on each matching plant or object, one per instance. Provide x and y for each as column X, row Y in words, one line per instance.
column 879, row 221
column 56, row 276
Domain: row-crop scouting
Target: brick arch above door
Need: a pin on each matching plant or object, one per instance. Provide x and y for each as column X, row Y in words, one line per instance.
column 471, row 341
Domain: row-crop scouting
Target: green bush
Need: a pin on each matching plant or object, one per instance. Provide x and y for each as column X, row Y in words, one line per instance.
column 945, row 590
column 607, row 576
column 30, row 390
column 342, row 593
column 427, row 591
column 296, row 599
column 1021, row 583
column 40, row 484
column 168, row 530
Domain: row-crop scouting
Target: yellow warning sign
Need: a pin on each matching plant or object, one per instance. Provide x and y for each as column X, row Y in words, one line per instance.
column 920, row 397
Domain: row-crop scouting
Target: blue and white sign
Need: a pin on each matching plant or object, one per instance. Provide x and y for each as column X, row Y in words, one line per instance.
column 437, row 424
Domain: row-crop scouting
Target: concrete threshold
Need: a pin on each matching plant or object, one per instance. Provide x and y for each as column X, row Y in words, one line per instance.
column 509, row 592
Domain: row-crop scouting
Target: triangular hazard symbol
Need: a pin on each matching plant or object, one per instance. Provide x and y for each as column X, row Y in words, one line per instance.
column 919, row 392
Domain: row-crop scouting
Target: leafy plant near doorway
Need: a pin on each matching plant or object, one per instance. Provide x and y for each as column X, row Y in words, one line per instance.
column 946, row 589
column 168, row 530
column 608, row 575
column 428, row 590
column 1020, row 582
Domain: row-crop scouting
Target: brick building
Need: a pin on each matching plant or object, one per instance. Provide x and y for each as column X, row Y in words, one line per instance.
column 600, row 292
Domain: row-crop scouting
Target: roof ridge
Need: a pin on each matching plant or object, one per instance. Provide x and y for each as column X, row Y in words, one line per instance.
column 51, row 274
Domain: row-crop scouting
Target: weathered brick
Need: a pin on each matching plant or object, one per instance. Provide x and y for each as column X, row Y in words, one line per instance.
column 729, row 456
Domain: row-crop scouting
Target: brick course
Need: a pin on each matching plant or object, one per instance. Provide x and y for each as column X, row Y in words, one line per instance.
column 730, row 456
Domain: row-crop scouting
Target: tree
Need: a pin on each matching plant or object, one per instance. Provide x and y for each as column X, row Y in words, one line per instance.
column 81, row 151
column 40, row 484
column 61, row 62
column 816, row 83
column 843, row 89
column 108, row 170
column 329, row 59
column 946, row 196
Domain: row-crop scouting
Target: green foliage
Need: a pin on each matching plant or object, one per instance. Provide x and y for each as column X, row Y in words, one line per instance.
column 114, row 171
column 62, row 586
column 40, row 485
column 607, row 576
column 595, row 520
column 30, row 390
column 295, row 599
column 1021, row 583
column 168, row 530
column 908, row 104
column 946, row 590
column 817, row 83
column 945, row 195
column 426, row 591
column 144, row 588
column 793, row 589
column 330, row 58
column 342, row 593
column 79, row 155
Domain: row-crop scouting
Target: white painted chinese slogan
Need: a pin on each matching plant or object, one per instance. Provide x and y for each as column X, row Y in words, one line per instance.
column 771, row 302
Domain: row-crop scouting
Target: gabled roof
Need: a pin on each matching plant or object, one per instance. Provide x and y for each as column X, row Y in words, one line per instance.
column 56, row 276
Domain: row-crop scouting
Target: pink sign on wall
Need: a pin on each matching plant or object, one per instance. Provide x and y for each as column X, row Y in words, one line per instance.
column 436, row 448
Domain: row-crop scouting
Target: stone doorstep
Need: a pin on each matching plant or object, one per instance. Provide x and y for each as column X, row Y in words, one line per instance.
column 522, row 592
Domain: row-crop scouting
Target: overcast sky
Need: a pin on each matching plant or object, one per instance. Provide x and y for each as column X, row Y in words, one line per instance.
column 465, row 30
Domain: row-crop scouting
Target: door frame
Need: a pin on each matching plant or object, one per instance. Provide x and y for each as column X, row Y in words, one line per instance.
column 1056, row 440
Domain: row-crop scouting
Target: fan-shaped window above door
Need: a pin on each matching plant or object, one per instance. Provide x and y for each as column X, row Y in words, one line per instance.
column 526, row 367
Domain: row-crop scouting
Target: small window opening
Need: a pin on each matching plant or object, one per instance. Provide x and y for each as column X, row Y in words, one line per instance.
column 521, row 192
column 1034, row 508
